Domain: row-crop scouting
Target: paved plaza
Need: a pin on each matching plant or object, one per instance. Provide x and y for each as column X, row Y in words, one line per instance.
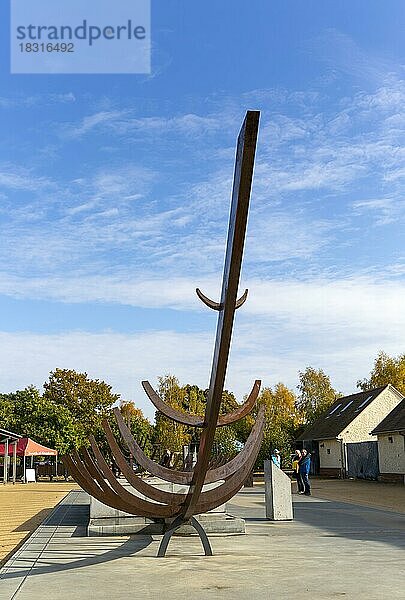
column 331, row 550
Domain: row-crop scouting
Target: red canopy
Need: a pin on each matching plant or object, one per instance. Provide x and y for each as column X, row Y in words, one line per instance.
column 27, row 447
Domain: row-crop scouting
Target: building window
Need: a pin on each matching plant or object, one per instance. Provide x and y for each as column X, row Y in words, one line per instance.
column 390, row 439
column 328, row 451
column 364, row 402
column 334, row 409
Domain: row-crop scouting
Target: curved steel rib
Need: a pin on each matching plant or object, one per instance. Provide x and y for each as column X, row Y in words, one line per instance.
column 183, row 477
column 229, row 468
column 213, row 475
column 169, row 411
column 139, row 484
column 207, row 301
column 242, row 299
column 221, row 494
column 217, row 305
column 98, row 480
column 242, row 410
column 91, row 475
column 80, row 474
column 142, row 505
column 197, row 420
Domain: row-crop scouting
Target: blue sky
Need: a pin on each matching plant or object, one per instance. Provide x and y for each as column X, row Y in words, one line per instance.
column 114, row 200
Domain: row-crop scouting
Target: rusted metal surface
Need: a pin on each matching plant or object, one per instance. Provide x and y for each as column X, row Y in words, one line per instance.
column 197, row 420
column 217, row 305
column 90, row 468
column 245, row 154
column 137, row 482
column 182, row 477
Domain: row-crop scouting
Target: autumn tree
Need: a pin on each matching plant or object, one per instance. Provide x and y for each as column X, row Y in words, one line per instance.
column 169, row 434
column 316, row 394
column 281, row 421
column 87, row 400
column 192, row 399
column 386, row 369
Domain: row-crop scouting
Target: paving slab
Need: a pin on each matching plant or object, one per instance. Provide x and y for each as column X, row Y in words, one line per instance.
column 331, row 550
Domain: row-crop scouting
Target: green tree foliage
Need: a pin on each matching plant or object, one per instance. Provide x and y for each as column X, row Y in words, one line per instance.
column 41, row 419
column 386, row 369
column 169, row 434
column 141, row 428
column 87, row 400
column 192, row 399
column 281, row 422
column 316, row 394
column 134, row 418
column 225, row 441
column 6, row 412
column 240, row 429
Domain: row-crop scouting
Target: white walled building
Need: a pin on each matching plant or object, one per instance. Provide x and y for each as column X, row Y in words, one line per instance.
column 391, row 445
column 341, row 435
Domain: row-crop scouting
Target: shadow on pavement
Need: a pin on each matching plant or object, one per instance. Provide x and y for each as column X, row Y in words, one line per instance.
column 32, row 523
column 331, row 519
column 89, row 553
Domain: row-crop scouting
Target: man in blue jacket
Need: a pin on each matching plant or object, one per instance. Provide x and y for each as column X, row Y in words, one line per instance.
column 305, row 465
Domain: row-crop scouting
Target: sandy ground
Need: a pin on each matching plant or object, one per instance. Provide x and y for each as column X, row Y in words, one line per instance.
column 23, row 507
column 366, row 493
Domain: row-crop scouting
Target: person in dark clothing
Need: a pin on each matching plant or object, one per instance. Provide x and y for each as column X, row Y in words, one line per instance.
column 296, row 471
column 305, row 465
column 166, row 459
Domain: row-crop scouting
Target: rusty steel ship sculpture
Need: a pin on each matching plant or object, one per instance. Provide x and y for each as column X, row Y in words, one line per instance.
column 90, row 468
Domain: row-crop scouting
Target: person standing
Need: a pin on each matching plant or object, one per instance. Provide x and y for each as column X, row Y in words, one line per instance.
column 304, row 468
column 276, row 458
column 296, row 471
column 166, row 459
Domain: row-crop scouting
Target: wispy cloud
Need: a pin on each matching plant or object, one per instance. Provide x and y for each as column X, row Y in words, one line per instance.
column 341, row 53
column 125, row 122
column 24, row 101
column 338, row 325
column 121, row 360
column 14, row 177
column 384, row 210
column 91, row 122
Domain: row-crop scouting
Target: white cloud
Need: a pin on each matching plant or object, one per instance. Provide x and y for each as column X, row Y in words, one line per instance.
column 37, row 99
column 125, row 123
column 342, row 53
column 121, row 360
column 96, row 120
column 14, row 177
column 275, row 236
column 338, row 326
column 387, row 210
column 356, row 306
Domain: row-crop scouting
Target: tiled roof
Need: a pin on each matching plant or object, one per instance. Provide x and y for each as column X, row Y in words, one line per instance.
column 394, row 421
column 338, row 416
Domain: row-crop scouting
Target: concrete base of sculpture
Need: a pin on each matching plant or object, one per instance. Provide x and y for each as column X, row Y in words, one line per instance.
column 277, row 493
column 111, row 521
